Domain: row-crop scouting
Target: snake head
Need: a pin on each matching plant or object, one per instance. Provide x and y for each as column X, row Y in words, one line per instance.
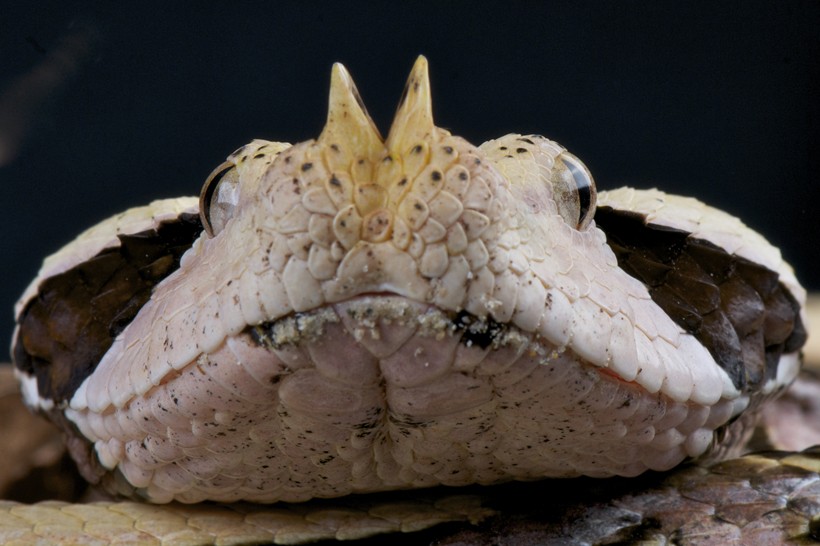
column 356, row 313
column 504, row 232
column 420, row 214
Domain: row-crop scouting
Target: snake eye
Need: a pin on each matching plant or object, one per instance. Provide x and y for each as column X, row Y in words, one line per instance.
column 218, row 198
column 574, row 190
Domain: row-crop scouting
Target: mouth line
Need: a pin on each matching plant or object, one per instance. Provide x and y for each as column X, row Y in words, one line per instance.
column 368, row 309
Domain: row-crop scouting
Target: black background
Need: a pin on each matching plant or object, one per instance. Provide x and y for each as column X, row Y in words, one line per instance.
column 109, row 105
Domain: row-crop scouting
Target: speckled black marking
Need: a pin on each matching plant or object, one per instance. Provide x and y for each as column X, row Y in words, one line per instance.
column 475, row 331
column 737, row 309
column 72, row 321
column 307, row 166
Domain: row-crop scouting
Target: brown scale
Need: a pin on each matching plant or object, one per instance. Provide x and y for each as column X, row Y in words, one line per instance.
column 67, row 328
column 739, row 310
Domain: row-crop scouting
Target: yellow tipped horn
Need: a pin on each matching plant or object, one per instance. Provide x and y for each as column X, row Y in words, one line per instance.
column 414, row 117
column 348, row 125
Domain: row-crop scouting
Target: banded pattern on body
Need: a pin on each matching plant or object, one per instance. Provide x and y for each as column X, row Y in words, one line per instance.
column 364, row 314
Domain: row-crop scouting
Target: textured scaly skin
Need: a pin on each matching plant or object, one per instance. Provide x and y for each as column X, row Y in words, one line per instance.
column 376, row 246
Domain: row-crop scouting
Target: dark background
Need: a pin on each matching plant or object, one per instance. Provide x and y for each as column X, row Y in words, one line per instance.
column 109, row 105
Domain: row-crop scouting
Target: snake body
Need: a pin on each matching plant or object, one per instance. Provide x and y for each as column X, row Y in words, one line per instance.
column 359, row 314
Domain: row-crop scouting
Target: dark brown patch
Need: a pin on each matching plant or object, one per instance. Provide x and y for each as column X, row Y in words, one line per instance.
column 737, row 309
column 72, row 321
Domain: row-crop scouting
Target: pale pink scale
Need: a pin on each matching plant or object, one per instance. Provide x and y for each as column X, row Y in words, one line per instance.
column 422, row 360
column 223, row 368
column 663, row 460
column 505, row 296
column 249, row 301
column 591, row 331
column 469, row 356
column 719, row 414
column 186, row 439
column 307, row 391
column 695, row 418
column 452, row 393
column 451, row 290
column 162, row 449
column 492, row 360
column 136, row 475
column 258, row 361
column 503, row 374
column 673, row 414
column 173, row 479
column 381, row 338
column 555, row 324
column 165, row 410
column 678, row 383
column 338, row 356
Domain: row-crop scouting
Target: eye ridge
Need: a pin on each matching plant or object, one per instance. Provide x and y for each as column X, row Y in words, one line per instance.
column 206, row 195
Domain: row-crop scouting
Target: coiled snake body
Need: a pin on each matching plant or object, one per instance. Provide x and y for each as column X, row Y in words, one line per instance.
column 355, row 314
